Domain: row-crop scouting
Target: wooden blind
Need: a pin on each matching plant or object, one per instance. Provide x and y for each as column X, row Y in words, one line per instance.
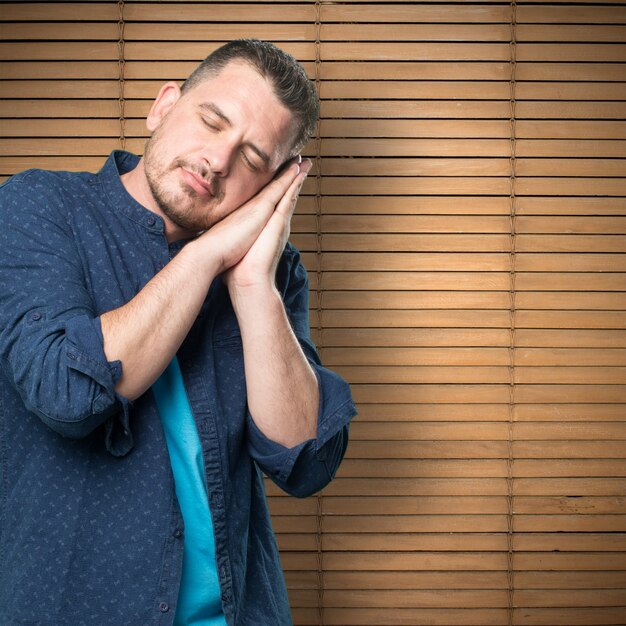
column 465, row 234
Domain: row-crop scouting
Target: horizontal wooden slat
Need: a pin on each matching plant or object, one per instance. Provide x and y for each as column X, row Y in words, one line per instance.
column 365, row 617
column 423, row 14
column 573, row 15
column 472, row 356
column 458, row 580
column 475, row 90
column 471, row 281
column 395, row 523
column 441, row 561
column 482, row 337
column 415, row 599
column 597, row 52
column 396, row 580
column 384, row 542
column 484, row 374
column 472, row 617
column 566, row 33
column 455, row 449
column 480, row 468
column 473, row 167
column 441, row 409
column 569, row 504
column 458, row 505
column 462, row 243
column 460, row 431
column 462, row 205
column 488, row 394
column 428, row 599
column 59, row 11
column 342, row 318
column 471, row 300
column 525, row 262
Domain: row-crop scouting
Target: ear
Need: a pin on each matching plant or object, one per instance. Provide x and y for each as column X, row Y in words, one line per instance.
column 167, row 97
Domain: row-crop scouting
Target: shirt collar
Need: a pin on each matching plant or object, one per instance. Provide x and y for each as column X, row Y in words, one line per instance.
column 118, row 163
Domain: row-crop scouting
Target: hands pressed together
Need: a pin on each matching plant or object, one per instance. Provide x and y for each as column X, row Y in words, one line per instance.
column 251, row 239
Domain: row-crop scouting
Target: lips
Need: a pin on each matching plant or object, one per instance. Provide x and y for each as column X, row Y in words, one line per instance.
column 196, row 182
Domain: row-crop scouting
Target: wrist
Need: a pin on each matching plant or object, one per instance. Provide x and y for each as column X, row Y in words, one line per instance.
column 254, row 299
column 201, row 258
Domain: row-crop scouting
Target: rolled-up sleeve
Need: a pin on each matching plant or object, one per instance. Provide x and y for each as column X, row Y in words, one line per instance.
column 309, row 466
column 51, row 345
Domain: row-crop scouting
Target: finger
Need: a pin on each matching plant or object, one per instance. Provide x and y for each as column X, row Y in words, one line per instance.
column 287, row 203
column 279, row 225
column 277, row 188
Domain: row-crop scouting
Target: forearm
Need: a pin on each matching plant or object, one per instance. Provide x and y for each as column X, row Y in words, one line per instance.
column 283, row 395
column 146, row 332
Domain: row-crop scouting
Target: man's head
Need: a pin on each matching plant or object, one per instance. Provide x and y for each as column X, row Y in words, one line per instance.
column 246, row 110
column 291, row 84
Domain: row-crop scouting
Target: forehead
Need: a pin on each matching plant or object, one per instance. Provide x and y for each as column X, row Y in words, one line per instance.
column 248, row 101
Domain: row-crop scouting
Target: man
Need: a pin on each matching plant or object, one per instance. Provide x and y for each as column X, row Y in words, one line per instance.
column 155, row 354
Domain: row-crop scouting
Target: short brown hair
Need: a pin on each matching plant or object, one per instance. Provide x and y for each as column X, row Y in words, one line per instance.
column 291, row 84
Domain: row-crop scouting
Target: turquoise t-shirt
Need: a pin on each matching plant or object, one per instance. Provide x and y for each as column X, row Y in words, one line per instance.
column 199, row 602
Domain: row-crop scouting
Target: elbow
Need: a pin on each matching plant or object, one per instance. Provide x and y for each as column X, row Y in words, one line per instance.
column 304, row 489
column 312, row 474
column 74, row 420
column 69, row 430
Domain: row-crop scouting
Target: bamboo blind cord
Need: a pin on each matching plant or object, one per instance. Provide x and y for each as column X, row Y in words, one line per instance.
column 319, row 292
column 512, row 309
column 121, row 63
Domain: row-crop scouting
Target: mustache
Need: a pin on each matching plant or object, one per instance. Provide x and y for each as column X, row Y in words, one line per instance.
column 203, row 173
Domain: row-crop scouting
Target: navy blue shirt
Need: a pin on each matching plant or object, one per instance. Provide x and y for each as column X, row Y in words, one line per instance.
column 90, row 528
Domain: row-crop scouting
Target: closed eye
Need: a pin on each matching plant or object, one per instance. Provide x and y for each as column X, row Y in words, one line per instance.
column 209, row 123
column 249, row 163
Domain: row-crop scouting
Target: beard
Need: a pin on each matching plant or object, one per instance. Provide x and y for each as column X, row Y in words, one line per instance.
column 179, row 202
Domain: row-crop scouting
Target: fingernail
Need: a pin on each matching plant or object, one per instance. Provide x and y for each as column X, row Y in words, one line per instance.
column 306, row 165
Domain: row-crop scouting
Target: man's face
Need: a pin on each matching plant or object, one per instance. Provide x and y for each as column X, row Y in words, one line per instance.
column 213, row 147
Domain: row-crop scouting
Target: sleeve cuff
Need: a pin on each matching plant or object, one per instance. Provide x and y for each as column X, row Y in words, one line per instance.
column 336, row 409
column 275, row 459
column 85, row 349
column 85, row 352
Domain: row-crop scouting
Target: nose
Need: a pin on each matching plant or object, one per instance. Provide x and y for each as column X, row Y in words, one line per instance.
column 219, row 156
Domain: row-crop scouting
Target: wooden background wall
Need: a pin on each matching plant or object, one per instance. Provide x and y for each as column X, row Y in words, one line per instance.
column 465, row 236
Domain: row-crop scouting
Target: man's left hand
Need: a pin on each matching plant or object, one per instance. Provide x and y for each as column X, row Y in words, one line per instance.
column 257, row 269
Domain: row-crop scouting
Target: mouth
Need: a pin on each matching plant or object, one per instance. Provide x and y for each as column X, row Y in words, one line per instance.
column 196, row 182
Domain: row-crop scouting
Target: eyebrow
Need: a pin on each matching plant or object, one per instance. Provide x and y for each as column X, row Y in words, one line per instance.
column 217, row 111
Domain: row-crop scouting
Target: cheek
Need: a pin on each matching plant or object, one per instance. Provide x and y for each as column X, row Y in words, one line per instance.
column 240, row 188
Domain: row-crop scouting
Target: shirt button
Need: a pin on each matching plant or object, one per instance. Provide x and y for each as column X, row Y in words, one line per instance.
column 164, row 607
column 178, row 533
column 72, row 355
column 151, row 221
column 35, row 316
